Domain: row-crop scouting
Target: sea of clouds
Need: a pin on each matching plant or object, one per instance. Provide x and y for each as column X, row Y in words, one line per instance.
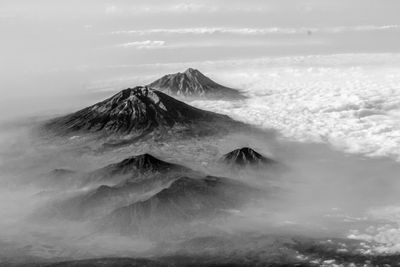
column 351, row 102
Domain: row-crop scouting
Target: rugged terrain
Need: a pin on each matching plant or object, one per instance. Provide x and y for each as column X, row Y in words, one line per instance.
column 179, row 192
column 186, row 200
column 145, row 195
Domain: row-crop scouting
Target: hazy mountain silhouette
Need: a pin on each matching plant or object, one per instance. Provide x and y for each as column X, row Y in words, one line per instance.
column 121, row 184
column 185, row 200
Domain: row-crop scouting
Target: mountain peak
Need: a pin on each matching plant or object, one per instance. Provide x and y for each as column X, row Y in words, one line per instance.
column 196, row 74
column 191, row 70
column 141, row 164
column 245, row 156
column 193, row 83
column 136, row 110
column 134, row 167
column 145, row 162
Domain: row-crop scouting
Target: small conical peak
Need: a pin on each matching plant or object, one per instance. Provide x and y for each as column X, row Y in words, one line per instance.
column 146, row 162
column 143, row 161
column 245, row 156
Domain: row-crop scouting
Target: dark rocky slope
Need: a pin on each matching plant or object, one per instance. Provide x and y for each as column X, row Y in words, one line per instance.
column 186, row 200
column 138, row 112
column 120, row 184
column 133, row 168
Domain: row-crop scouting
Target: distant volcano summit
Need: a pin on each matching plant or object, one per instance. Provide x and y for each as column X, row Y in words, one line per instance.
column 246, row 156
column 144, row 163
column 136, row 165
column 193, row 83
column 138, row 110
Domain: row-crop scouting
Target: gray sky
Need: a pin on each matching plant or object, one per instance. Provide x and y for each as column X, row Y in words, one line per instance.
column 50, row 46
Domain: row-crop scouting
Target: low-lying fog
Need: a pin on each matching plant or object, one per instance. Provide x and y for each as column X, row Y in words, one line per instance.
column 322, row 80
column 320, row 192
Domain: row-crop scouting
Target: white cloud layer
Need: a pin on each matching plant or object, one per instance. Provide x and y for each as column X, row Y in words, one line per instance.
column 382, row 237
column 351, row 102
column 260, row 31
column 148, row 44
column 186, row 7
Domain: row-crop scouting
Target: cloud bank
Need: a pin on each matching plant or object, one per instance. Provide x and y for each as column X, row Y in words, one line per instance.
column 355, row 107
column 259, row 31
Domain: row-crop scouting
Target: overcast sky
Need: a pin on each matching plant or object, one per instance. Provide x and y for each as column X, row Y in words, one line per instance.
column 49, row 45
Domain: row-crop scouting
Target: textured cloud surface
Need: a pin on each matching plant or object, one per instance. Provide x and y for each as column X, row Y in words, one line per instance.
column 324, row 71
column 349, row 101
column 381, row 237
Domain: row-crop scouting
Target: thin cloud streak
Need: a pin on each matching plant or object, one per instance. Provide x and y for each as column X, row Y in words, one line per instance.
column 259, row 31
column 180, row 8
column 148, row 44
